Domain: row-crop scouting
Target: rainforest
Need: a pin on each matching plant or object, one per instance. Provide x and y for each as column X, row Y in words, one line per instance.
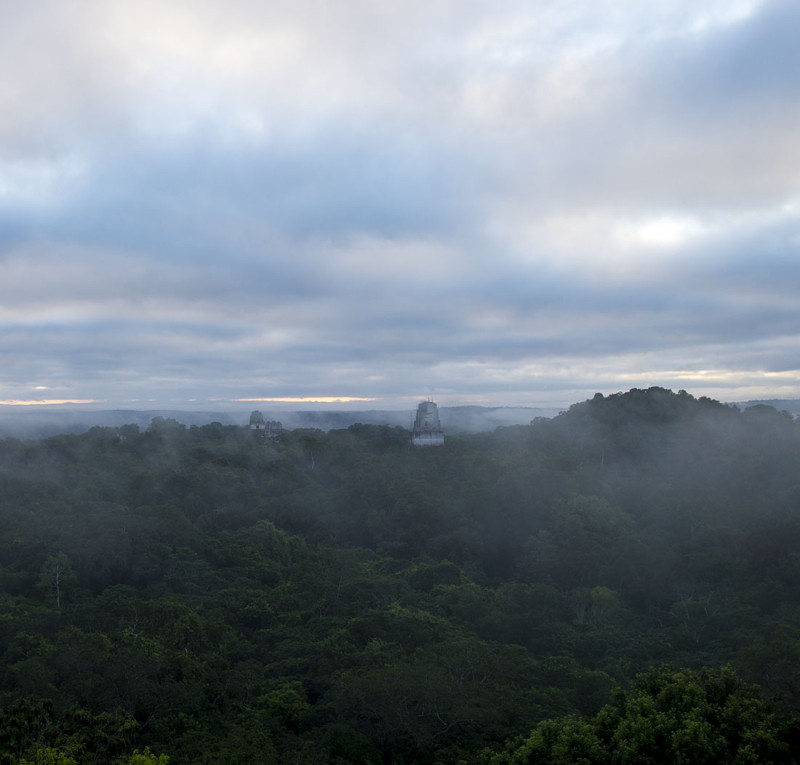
column 620, row 583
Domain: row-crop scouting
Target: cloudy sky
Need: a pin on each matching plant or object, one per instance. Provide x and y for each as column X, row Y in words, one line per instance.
column 514, row 202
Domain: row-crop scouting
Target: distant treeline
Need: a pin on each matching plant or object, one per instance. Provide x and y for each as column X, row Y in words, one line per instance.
column 30, row 422
column 342, row 597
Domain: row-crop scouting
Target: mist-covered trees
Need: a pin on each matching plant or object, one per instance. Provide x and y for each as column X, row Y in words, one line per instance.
column 342, row 597
column 708, row 717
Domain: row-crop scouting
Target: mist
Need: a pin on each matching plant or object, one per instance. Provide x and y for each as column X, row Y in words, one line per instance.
column 328, row 584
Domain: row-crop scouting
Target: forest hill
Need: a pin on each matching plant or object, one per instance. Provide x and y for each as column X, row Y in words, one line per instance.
column 341, row 597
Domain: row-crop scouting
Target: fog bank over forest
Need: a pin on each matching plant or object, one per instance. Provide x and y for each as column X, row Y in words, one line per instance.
column 41, row 422
column 559, row 591
column 570, row 585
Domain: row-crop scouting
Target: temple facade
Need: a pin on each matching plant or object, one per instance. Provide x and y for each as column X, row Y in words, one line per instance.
column 269, row 428
column 427, row 429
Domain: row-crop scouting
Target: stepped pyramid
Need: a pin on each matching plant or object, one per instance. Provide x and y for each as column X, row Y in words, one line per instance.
column 427, row 428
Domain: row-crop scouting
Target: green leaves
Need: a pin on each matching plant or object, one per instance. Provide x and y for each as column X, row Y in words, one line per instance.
column 285, row 701
column 340, row 597
column 56, row 579
column 710, row 717
column 37, row 733
column 147, row 758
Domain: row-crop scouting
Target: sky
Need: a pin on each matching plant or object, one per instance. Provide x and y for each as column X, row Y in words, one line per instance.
column 479, row 202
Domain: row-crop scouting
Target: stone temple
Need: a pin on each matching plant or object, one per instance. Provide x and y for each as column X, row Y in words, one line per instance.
column 427, row 429
column 268, row 428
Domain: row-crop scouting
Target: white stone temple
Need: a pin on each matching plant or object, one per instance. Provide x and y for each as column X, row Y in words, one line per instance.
column 269, row 428
column 427, row 429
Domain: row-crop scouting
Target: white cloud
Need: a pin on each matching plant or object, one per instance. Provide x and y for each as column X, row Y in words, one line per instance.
column 486, row 201
column 666, row 231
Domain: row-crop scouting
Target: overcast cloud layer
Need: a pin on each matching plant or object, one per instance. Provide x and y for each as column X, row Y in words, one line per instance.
column 480, row 202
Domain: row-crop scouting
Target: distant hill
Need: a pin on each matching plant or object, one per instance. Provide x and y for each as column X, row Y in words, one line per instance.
column 791, row 405
column 42, row 422
column 19, row 422
column 26, row 422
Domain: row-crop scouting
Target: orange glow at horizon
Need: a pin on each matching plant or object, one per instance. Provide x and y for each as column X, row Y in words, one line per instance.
column 306, row 400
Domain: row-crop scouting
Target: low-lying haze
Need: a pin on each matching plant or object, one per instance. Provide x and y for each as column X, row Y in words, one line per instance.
column 516, row 203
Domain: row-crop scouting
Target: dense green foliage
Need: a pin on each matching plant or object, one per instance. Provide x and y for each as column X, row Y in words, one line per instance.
column 697, row 718
column 342, row 597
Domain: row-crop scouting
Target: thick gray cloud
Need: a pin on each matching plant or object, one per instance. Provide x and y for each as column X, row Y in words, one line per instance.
column 205, row 201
